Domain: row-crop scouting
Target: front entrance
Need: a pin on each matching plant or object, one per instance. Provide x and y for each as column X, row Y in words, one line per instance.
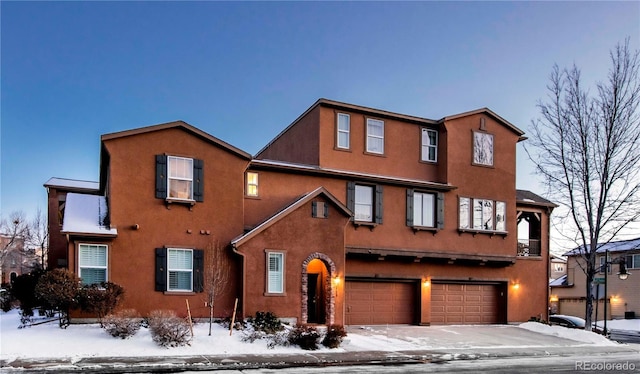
column 317, row 283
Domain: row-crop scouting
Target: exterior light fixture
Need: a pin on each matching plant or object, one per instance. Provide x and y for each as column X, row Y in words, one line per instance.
column 623, row 274
column 426, row 283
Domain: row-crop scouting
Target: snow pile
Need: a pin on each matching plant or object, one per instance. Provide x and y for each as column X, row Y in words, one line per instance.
column 586, row 337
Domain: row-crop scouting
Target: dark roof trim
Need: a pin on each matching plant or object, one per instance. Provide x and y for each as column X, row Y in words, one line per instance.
column 445, row 257
column 287, row 210
column 345, row 174
column 182, row 125
column 491, row 113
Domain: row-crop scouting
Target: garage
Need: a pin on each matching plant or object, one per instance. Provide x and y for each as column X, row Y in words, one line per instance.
column 378, row 303
column 467, row 303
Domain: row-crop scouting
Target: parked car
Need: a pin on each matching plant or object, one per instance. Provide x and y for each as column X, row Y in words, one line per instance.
column 571, row 322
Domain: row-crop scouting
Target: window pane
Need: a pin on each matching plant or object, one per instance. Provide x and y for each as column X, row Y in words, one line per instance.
column 92, row 275
column 180, row 189
column 477, row 214
column 180, row 280
column 375, row 127
column 487, row 214
column 423, row 209
column 275, row 275
column 364, row 203
column 375, row 136
column 375, row 145
column 180, row 259
column 180, row 168
column 343, row 139
column 93, row 255
column 501, row 209
column 464, row 212
column 343, row 122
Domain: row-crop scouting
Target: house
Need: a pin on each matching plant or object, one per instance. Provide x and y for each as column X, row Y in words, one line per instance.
column 558, row 267
column 16, row 258
column 622, row 296
column 351, row 215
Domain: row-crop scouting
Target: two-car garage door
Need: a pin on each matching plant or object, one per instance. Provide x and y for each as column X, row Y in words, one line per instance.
column 387, row 302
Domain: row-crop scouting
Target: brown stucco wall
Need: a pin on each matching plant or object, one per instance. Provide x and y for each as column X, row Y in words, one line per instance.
column 298, row 143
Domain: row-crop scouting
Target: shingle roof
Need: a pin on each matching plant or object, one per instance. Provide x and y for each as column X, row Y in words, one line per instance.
column 524, row 196
column 618, row 246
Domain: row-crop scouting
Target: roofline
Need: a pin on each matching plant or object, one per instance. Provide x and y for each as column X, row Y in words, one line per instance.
column 312, row 169
column 177, row 124
column 285, row 212
column 74, row 189
column 353, row 108
column 488, row 111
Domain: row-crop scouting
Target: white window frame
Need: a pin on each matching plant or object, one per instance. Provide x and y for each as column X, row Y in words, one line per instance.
column 83, row 265
column 359, row 203
column 419, row 209
column 345, row 132
column 427, row 145
column 176, row 269
column 370, row 136
column 179, row 178
column 493, row 212
column 252, row 184
column 275, row 277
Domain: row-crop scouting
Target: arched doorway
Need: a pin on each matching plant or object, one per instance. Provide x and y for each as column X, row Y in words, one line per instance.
column 318, row 300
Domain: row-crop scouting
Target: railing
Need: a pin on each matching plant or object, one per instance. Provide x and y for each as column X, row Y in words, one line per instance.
column 529, row 247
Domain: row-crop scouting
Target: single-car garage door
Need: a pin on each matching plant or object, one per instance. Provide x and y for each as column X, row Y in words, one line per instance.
column 376, row 303
column 460, row 303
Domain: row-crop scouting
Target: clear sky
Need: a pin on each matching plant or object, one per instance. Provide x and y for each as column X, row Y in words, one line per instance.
column 243, row 71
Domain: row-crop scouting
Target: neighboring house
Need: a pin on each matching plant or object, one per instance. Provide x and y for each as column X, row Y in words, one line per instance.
column 17, row 260
column 351, row 215
column 558, row 267
column 623, row 296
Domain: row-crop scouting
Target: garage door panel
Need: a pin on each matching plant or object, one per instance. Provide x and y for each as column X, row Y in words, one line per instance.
column 460, row 303
column 370, row 303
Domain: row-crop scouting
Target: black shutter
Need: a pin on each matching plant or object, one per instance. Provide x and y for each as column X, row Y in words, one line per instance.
column 161, row 269
column 161, row 176
column 326, row 210
column 198, row 180
column 351, row 197
column 440, row 211
column 409, row 207
column 198, row 270
column 378, row 204
column 314, row 209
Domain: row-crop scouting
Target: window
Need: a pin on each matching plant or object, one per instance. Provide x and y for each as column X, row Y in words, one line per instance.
column 375, row 136
column 632, row 261
column 429, row 145
column 252, row 184
column 344, row 129
column 482, row 149
column 482, row 215
column 319, row 209
column 179, row 178
column 602, row 265
column 365, row 201
column 275, row 272
column 425, row 209
column 92, row 263
column 179, row 270
column 558, row 267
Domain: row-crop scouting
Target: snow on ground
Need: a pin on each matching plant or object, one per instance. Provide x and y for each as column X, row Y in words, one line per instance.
column 89, row 340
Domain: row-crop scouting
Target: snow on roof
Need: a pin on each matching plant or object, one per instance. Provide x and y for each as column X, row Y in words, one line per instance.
column 619, row 246
column 72, row 184
column 562, row 281
column 85, row 214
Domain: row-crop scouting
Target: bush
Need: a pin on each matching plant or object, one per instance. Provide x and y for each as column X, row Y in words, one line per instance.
column 23, row 289
column 123, row 324
column 169, row 330
column 100, row 299
column 305, row 336
column 59, row 289
column 6, row 298
column 333, row 337
column 267, row 322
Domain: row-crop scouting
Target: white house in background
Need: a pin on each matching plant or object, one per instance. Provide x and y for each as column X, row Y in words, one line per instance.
column 558, row 267
column 568, row 293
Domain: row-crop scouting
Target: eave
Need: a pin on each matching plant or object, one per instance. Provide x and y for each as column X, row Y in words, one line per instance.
column 412, row 255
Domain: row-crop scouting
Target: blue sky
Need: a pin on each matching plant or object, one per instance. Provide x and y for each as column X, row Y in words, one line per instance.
column 242, row 71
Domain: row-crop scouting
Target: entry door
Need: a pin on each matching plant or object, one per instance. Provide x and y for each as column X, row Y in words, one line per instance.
column 315, row 298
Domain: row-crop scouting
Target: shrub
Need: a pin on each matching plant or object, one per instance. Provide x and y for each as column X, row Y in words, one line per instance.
column 122, row 324
column 267, row 322
column 5, row 297
column 305, row 336
column 23, row 290
column 59, row 289
column 100, row 299
column 333, row 337
column 169, row 330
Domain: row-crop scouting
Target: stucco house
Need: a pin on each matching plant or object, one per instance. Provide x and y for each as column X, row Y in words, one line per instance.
column 568, row 293
column 351, row 215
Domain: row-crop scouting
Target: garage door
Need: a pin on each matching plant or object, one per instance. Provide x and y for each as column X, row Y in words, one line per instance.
column 376, row 303
column 464, row 304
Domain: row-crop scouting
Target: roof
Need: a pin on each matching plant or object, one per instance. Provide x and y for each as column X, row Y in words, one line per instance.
column 287, row 210
column 180, row 125
column 558, row 282
column 85, row 215
column 73, row 184
column 313, row 169
column 618, row 246
column 528, row 197
column 489, row 112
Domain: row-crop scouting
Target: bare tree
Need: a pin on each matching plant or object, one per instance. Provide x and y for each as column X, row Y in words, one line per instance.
column 587, row 149
column 216, row 276
column 39, row 237
column 13, row 233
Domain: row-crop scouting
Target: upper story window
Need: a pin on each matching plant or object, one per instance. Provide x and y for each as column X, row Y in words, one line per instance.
column 429, row 145
column 344, row 130
column 92, row 263
column 179, row 178
column 179, row 270
column 275, row 272
column 425, row 209
column 482, row 215
column 319, row 209
column 482, row 148
column 365, row 201
column 375, row 136
column 558, row 267
column 632, row 261
column 252, row 184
